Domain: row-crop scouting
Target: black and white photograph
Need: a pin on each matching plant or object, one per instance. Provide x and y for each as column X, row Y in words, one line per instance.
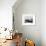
column 28, row 19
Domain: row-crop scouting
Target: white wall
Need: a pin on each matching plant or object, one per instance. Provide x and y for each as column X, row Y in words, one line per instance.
column 6, row 13
column 37, row 32
column 29, row 7
column 43, row 22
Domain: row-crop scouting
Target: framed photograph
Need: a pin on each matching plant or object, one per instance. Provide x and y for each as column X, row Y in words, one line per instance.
column 28, row 19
